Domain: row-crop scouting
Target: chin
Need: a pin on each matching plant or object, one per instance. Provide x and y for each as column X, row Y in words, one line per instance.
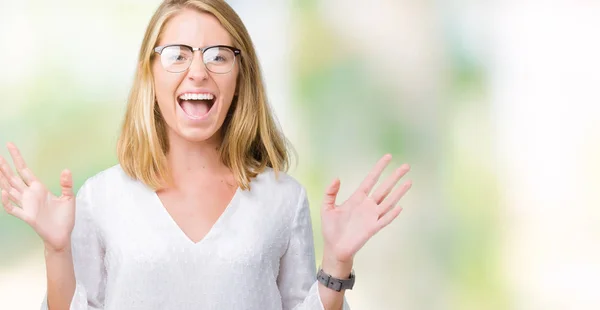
column 197, row 135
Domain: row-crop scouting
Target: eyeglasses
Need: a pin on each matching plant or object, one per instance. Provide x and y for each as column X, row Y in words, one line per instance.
column 177, row 58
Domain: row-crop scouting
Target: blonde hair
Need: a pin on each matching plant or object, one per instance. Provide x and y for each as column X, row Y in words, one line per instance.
column 252, row 140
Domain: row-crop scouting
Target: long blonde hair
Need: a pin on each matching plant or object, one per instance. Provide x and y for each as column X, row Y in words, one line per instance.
column 252, row 139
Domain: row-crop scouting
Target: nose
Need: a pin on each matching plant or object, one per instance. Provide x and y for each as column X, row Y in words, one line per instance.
column 197, row 70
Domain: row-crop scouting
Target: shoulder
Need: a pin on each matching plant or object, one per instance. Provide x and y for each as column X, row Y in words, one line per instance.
column 271, row 182
column 279, row 194
column 102, row 194
column 107, row 181
column 113, row 175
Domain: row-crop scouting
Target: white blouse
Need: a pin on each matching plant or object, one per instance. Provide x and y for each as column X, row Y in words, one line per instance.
column 130, row 254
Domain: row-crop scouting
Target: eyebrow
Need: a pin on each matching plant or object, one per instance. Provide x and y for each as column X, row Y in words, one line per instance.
column 201, row 47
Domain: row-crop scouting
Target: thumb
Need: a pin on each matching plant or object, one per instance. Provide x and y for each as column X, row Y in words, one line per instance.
column 66, row 184
column 331, row 194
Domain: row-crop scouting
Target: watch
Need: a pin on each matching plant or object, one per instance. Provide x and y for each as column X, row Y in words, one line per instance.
column 335, row 283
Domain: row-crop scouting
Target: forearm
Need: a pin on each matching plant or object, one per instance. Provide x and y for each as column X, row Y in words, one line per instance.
column 333, row 300
column 60, row 279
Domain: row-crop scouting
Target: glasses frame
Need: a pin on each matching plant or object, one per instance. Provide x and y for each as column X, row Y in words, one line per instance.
column 236, row 52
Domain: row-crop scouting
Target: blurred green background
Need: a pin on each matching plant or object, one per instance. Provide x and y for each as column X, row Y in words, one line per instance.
column 478, row 97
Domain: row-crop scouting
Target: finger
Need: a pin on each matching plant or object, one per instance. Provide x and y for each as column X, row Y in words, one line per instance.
column 4, row 184
column 20, row 164
column 384, row 189
column 375, row 173
column 331, row 194
column 14, row 180
column 66, row 183
column 394, row 198
column 4, row 197
column 387, row 218
column 15, row 196
column 10, row 208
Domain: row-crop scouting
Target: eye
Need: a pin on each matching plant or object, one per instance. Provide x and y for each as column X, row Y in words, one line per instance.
column 176, row 54
column 218, row 55
column 177, row 58
column 219, row 58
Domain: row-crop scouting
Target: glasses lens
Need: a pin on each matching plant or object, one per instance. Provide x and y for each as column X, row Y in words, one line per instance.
column 176, row 58
column 219, row 59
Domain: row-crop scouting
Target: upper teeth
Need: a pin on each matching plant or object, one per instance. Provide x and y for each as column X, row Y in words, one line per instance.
column 196, row 97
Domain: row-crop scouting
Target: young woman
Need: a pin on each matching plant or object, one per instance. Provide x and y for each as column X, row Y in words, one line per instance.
column 199, row 214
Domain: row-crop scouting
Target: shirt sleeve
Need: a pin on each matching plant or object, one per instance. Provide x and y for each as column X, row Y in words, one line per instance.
column 297, row 272
column 88, row 257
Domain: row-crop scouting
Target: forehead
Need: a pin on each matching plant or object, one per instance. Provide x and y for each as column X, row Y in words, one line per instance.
column 194, row 28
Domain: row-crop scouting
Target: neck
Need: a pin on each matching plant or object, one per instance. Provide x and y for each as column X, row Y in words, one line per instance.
column 193, row 163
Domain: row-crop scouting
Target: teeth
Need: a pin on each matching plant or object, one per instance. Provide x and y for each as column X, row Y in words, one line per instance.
column 196, row 97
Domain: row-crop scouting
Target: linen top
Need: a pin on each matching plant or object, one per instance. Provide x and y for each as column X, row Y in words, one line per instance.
column 129, row 253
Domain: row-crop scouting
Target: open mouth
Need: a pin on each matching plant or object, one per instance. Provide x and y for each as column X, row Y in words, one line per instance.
column 196, row 106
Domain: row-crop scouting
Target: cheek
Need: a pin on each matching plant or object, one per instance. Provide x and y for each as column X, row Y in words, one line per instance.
column 165, row 85
column 227, row 87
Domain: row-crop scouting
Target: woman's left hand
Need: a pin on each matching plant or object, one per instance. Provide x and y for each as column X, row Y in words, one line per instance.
column 347, row 227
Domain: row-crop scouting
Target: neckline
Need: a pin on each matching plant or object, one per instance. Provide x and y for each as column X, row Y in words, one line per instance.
column 173, row 224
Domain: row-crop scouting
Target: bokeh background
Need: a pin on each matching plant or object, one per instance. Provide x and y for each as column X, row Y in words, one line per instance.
column 495, row 104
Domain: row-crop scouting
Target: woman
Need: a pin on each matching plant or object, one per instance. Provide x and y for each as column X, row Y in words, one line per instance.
column 199, row 214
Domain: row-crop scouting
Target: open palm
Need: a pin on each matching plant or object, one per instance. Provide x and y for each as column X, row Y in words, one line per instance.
column 25, row 197
column 347, row 227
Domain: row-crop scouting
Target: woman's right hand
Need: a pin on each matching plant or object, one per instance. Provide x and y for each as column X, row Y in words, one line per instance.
column 26, row 198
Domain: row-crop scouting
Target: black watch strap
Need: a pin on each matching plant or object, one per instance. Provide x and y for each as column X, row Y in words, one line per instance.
column 335, row 283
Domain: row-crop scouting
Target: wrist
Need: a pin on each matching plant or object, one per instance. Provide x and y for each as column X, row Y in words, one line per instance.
column 335, row 267
column 50, row 251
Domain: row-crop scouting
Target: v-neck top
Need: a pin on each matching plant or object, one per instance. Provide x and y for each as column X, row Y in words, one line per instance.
column 129, row 253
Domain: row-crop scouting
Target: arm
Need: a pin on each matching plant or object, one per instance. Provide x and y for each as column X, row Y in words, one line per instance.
column 346, row 228
column 333, row 299
column 297, row 272
column 73, row 253
column 60, row 278
column 76, row 276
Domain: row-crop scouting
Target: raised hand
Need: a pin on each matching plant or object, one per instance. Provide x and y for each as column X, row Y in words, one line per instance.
column 26, row 198
column 347, row 227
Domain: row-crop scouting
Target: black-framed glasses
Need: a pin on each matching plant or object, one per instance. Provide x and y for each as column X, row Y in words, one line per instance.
column 178, row 58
